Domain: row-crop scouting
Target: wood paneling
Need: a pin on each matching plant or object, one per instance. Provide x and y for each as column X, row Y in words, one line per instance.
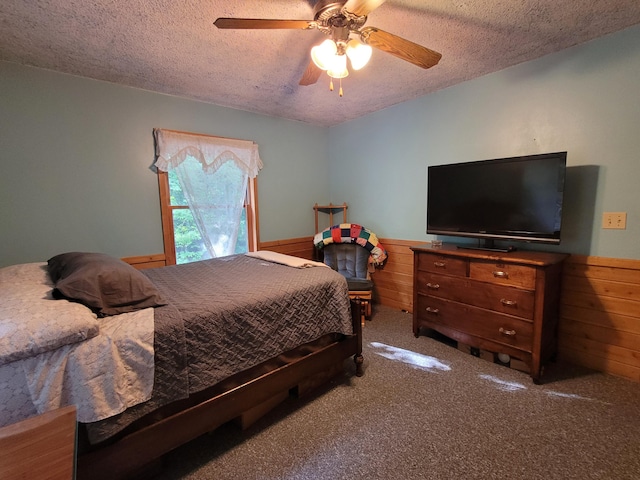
column 600, row 315
column 146, row 261
column 393, row 283
column 300, row 247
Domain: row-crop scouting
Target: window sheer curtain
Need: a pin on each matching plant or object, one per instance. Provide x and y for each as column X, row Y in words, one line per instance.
column 213, row 173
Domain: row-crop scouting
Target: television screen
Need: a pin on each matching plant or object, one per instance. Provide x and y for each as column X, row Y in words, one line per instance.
column 517, row 198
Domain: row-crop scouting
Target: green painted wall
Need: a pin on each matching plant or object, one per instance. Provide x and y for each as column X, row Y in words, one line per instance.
column 75, row 154
column 585, row 100
column 75, row 157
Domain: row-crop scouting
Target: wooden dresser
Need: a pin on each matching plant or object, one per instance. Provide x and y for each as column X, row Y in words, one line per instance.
column 500, row 302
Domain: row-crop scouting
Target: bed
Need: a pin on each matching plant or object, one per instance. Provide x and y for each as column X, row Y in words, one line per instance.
column 192, row 346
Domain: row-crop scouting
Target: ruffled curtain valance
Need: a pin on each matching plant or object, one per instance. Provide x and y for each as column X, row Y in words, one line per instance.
column 172, row 148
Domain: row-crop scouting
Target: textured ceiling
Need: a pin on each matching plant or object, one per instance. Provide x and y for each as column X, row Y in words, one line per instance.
column 173, row 47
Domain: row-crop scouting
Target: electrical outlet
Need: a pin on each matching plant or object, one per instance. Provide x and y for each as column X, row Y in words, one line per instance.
column 617, row 220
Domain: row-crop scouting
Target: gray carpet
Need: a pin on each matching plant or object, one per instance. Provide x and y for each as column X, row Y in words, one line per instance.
column 424, row 410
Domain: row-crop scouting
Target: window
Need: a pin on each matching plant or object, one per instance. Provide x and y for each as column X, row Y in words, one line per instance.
column 208, row 195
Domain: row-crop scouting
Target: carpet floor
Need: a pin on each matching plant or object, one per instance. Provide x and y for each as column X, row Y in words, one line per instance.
column 425, row 410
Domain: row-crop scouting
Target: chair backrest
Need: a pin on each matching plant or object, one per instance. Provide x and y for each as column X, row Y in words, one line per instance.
column 349, row 259
column 40, row 447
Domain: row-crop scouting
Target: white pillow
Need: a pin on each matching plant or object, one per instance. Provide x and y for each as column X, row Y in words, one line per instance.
column 31, row 321
column 25, row 273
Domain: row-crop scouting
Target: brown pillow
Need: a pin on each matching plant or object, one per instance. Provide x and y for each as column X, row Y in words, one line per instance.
column 105, row 284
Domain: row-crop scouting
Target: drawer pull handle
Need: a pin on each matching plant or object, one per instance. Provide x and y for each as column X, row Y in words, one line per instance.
column 508, row 303
column 440, row 264
column 508, row 333
column 432, row 310
column 500, row 274
column 433, row 286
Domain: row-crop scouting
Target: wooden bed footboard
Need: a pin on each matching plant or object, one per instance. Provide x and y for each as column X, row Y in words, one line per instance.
column 130, row 456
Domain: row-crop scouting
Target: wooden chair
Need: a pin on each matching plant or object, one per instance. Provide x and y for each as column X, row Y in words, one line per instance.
column 40, row 447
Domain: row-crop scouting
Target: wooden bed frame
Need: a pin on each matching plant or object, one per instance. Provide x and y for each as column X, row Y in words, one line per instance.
column 132, row 454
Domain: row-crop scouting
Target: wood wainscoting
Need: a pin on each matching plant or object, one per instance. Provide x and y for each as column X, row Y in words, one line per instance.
column 146, row 261
column 599, row 324
column 393, row 283
column 600, row 315
column 298, row 247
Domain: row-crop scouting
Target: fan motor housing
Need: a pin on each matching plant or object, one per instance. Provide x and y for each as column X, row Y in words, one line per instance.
column 329, row 14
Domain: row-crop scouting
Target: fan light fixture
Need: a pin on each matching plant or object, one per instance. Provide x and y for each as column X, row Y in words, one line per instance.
column 338, row 67
column 332, row 57
column 323, row 54
column 358, row 53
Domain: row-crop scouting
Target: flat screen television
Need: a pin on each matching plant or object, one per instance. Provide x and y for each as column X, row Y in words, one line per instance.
column 516, row 198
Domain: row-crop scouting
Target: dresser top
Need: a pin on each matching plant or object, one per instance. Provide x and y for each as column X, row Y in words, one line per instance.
column 526, row 257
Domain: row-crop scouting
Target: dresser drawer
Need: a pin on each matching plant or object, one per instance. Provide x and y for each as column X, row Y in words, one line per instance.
column 443, row 264
column 481, row 323
column 504, row 274
column 512, row 301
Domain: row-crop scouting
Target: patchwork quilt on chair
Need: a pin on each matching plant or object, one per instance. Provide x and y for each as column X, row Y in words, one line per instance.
column 352, row 233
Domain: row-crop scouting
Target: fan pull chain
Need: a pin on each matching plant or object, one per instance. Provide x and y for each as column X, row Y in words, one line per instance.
column 331, row 86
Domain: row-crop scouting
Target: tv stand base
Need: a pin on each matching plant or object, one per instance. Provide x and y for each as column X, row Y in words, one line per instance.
column 489, row 249
column 488, row 244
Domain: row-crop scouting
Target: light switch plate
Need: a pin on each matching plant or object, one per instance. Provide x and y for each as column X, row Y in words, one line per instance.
column 614, row 220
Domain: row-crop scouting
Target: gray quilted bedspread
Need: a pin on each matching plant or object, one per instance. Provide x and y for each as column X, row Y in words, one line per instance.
column 227, row 315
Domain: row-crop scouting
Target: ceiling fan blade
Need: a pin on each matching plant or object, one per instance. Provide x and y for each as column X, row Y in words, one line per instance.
column 261, row 23
column 362, row 7
column 401, row 48
column 311, row 74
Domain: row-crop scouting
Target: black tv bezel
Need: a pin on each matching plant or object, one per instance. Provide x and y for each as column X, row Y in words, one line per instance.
column 490, row 237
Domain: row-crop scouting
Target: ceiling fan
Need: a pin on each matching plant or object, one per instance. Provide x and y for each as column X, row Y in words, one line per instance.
column 340, row 20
